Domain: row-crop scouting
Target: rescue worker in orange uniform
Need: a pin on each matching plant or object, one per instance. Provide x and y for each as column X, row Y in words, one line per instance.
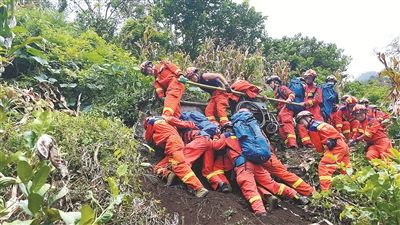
column 249, row 174
column 373, row 133
column 198, row 143
column 219, row 99
column 312, row 100
column 328, row 141
column 162, row 131
column 167, row 85
column 365, row 102
column 345, row 122
column 285, row 115
column 275, row 167
column 376, row 113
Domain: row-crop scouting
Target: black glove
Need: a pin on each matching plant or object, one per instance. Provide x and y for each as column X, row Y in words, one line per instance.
column 228, row 88
column 331, row 143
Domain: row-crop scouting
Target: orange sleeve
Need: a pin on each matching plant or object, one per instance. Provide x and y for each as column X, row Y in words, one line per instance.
column 148, row 135
column 173, row 68
column 159, row 89
column 339, row 121
column 219, row 144
column 316, row 100
column 316, row 140
column 372, row 128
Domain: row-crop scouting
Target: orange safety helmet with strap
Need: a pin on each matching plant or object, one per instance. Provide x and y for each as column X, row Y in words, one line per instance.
column 190, row 71
column 310, row 72
column 144, row 66
column 303, row 114
column 359, row 109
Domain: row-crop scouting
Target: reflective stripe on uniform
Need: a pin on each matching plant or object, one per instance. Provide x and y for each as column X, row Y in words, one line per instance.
column 187, row 176
column 251, row 200
column 297, row 183
column 325, row 177
column 217, row 172
column 168, row 109
column 305, row 139
column 281, row 189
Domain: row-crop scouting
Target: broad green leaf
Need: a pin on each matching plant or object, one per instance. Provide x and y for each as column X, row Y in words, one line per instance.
column 59, row 195
column 52, row 214
column 24, row 205
column 24, row 171
column 35, row 202
column 113, row 186
column 23, row 189
column 70, row 217
column 119, row 198
column 39, row 60
column 19, row 29
column 30, row 137
column 87, row 215
column 43, row 190
column 106, row 216
column 41, row 78
column 19, row 222
column 40, row 179
column 122, row 170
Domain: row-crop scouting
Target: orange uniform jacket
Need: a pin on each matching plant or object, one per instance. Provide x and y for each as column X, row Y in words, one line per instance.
column 313, row 98
column 320, row 132
column 244, row 86
column 378, row 141
column 164, row 74
column 285, row 116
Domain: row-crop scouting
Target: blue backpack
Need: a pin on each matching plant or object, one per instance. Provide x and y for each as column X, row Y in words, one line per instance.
column 255, row 147
column 297, row 87
column 201, row 122
column 329, row 98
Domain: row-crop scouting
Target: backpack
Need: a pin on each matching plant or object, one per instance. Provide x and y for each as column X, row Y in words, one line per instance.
column 255, row 147
column 297, row 87
column 201, row 122
column 329, row 98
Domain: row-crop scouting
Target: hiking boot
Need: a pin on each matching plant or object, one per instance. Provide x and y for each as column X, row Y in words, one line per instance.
column 223, row 187
column 272, row 202
column 201, row 192
column 300, row 200
column 261, row 214
column 171, row 178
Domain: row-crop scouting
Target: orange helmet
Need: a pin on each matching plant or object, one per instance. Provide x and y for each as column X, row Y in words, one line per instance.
column 363, row 101
column 358, row 108
column 344, row 97
column 303, row 114
column 375, row 107
column 310, row 72
column 144, row 66
column 350, row 100
column 190, row 71
column 331, row 78
column 146, row 121
column 273, row 78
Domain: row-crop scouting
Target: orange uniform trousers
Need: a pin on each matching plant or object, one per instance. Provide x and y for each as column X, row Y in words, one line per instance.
column 285, row 118
column 217, row 106
column 277, row 169
column 379, row 149
column 327, row 166
column 247, row 177
column 175, row 160
column 173, row 97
